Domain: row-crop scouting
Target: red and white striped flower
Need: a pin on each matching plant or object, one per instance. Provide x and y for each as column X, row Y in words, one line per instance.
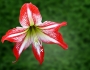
column 34, row 32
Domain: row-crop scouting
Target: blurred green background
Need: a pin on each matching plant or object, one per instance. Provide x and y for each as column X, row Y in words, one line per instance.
column 76, row 34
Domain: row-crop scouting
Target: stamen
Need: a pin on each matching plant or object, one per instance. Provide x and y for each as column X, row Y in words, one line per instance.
column 37, row 42
column 37, row 45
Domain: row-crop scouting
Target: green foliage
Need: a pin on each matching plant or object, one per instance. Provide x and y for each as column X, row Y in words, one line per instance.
column 76, row 34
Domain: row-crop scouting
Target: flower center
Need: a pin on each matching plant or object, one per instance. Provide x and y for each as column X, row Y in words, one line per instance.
column 33, row 29
column 33, row 33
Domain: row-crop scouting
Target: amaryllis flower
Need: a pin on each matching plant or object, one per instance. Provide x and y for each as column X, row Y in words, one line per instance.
column 34, row 32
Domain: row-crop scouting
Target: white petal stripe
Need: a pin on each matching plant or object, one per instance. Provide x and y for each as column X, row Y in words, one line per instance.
column 30, row 16
column 51, row 26
column 25, row 44
column 12, row 35
column 22, row 46
column 46, row 38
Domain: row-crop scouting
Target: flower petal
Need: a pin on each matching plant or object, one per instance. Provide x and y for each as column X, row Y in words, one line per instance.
column 51, row 25
column 14, row 35
column 35, row 14
column 38, row 50
column 50, row 33
column 51, row 37
column 29, row 15
column 21, row 46
column 23, row 18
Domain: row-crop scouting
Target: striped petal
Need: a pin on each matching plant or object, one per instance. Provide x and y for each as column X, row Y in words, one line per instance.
column 29, row 15
column 14, row 35
column 52, row 37
column 56, row 36
column 23, row 18
column 51, row 25
column 38, row 50
column 50, row 33
column 21, row 46
column 35, row 14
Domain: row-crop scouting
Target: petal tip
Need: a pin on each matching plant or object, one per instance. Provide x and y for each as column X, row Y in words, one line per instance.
column 3, row 39
column 14, row 61
column 16, row 54
column 30, row 3
column 65, row 47
column 64, row 23
column 40, row 62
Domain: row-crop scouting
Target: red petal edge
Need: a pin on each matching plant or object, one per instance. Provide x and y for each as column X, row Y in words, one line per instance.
column 57, row 36
column 37, row 18
column 14, row 38
column 24, row 44
column 51, row 29
column 23, row 18
column 35, row 14
column 51, row 25
column 40, row 57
